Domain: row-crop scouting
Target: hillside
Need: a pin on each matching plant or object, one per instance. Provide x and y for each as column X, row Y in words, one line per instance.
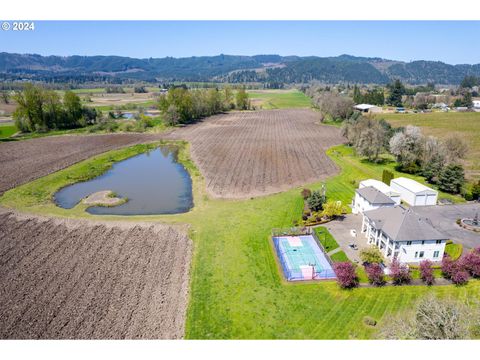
column 230, row 68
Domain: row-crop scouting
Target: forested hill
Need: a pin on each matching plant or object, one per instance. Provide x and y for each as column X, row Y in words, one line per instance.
column 231, row 68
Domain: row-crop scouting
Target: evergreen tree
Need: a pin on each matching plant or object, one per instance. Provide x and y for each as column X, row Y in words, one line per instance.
column 452, row 179
column 387, row 176
column 357, row 95
column 315, row 201
column 397, row 90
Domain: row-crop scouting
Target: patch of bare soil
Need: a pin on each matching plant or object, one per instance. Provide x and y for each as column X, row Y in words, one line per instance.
column 26, row 160
column 246, row 154
column 103, row 198
column 78, row 279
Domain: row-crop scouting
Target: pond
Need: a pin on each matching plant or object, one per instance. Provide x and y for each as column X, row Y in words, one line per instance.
column 131, row 115
column 153, row 183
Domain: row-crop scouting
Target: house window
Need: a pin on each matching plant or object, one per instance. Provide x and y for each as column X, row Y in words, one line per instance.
column 438, row 242
column 435, row 254
column 409, row 243
column 421, row 254
column 416, row 254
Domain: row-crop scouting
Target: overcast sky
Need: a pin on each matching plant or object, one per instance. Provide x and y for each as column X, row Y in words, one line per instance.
column 450, row 42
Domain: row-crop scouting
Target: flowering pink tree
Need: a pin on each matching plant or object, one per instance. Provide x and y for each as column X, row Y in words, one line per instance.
column 460, row 277
column 471, row 263
column 426, row 272
column 346, row 274
column 375, row 274
column 449, row 267
column 399, row 273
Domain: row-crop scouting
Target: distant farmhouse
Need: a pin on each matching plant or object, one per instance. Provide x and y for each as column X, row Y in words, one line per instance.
column 367, row 108
column 401, row 233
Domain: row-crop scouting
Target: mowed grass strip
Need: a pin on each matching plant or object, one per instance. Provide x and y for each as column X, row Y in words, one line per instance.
column 7, row 130
column 279, row 99
column 328, row 241
column 465, row 125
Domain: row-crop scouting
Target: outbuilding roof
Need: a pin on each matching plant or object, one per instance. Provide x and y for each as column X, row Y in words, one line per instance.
column 401, row 224
column 379, row 185
column 364, row 106
column 374, row 196
column 413, row 185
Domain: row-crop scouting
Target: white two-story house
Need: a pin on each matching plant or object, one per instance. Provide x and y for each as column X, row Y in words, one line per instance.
column 401, row 233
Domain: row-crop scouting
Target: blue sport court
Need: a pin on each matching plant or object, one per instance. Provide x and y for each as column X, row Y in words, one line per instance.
column 302, row 258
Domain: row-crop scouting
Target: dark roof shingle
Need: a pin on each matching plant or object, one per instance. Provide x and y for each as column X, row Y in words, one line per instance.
column 401, row 224
column 374, row 196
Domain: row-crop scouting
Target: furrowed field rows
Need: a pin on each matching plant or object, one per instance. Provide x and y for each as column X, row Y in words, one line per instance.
column 247, row 154
column 88, row 280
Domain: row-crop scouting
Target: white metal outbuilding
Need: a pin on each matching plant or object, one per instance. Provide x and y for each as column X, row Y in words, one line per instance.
column 414, row 193
column 367, row 108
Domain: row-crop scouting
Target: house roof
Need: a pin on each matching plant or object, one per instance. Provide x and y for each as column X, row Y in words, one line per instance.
column 379, row 185
column 413, row 185
column 364, row 106
column 374, row 196
column 402, row 224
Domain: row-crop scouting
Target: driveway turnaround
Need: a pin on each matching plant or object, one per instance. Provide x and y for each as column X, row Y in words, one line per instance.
column 444, row 219
column 341, row 231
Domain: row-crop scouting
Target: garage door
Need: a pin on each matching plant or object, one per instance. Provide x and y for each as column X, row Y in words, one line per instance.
column 432, row 199
column 420, row 200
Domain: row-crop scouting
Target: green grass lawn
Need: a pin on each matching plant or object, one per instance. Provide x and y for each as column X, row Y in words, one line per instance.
column 339, row 257
column 443, row 124
column 7, row 130
column 454, row 250
column 328, row 241
column 236, row 289
column 279, row 99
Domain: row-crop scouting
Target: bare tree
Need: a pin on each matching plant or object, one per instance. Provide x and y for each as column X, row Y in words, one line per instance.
column 456, row 148
column 5, row 96
column 332, row 104
column 407, row 146
column 434, row 319
column 367, row 135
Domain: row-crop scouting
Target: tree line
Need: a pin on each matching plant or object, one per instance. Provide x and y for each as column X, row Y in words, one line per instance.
column 41, row 109
column 181, row 105
column 436, row 160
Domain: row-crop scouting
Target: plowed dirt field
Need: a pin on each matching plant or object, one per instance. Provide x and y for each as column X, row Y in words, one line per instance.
column 246, row 154
column 74, row 279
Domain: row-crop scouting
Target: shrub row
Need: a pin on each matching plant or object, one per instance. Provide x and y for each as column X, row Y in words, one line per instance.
column 458, row 271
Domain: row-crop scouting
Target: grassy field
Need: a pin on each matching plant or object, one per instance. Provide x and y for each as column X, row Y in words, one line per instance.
column 7, row 130
column 236, row 289
column 444, row 124
column 158, row 126
column 279, row 99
